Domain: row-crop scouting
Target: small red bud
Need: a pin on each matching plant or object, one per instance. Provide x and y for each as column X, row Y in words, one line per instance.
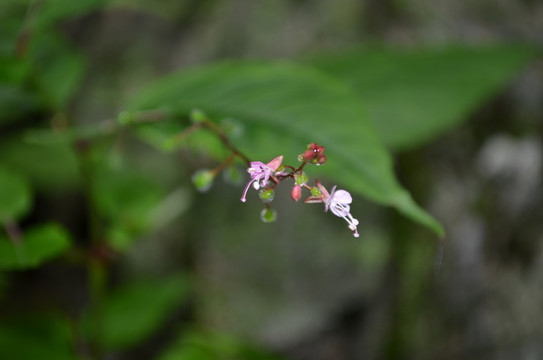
column 308, row 155
column 296, row 193
column 320, row 150
column 312, row 154
column 321, row 159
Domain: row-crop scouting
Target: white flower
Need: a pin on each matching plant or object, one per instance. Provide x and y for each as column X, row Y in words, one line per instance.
column 338, row 202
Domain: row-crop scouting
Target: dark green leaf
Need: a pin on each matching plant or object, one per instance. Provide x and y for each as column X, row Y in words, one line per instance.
column 282, row 107
column 40, row 337
column 15, row 195
column 37, row 246
column 16, row 102
column 52, row 166
column 127, row 199
column 135, row 311
column 416, row 95
column 213, row 346
column 57, row 67
column 52, row 11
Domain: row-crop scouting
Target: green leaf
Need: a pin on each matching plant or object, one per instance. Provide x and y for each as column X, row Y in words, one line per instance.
column 15, row 103
column 282, row 107
column 37, row 337
column 415, row 95
column 198, row 345
column 15, row 197
column 136, row 310
column 52, row 11
column 37, row 246
column 127, row 199
column 51, row 166
column 59, row 68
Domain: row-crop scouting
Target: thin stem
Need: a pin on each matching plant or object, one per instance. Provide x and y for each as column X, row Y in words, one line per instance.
column 23, row 37
column 226, row 162
column 225, row 140
column 97, row 270
column 186, row 132
column 15, row 234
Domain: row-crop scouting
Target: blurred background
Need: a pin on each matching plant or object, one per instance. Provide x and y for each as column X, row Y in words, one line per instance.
column 189, row 275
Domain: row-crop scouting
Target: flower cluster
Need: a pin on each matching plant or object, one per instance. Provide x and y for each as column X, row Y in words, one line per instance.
column 265, row 177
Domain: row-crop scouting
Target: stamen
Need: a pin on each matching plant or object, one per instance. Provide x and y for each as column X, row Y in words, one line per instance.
column 243, row 198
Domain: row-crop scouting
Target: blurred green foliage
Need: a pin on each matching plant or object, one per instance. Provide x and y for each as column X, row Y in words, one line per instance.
column 15, row 196
column 134, row 311
column 415, row 95
column 37, row 246
column 43, row 336
column 200, row 345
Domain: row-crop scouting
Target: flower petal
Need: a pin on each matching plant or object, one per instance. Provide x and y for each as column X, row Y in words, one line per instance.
column 342, row 197
column 275, row 163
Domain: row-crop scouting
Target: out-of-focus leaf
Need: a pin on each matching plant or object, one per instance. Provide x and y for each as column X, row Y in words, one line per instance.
column 53, row 166
column 213, row 346
column 4, row 284
column 15, row 102
column 52, row 11
column 168, row 137
column 15, row 196
column 136, row 310
column 57, row 67
column 13, row 70
column 414, row 96
column 37, row 246
column 283, row 107
column 12, row 13
column 127, row 199
column 40, row 337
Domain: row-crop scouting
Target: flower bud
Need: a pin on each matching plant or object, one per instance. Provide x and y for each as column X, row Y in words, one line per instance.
column 197, row 116
column 319, row 150
column 296, row 193
column 268, row 215
column 308, row 155
column 203, row 179
column 321, row 160
column 266, row 195
column 125, row 118
column 313, row 154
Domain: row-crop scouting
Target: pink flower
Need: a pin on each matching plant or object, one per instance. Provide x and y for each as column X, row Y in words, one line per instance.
column 338, row 202
column 260, row 174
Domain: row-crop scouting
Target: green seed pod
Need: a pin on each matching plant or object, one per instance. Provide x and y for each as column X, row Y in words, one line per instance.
column 203, row 179
column 315, row 191
column 301, row 179
column 268, row 215
column 125, row 118
column 197, row 116
column 266, row 195
column 231, row 175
